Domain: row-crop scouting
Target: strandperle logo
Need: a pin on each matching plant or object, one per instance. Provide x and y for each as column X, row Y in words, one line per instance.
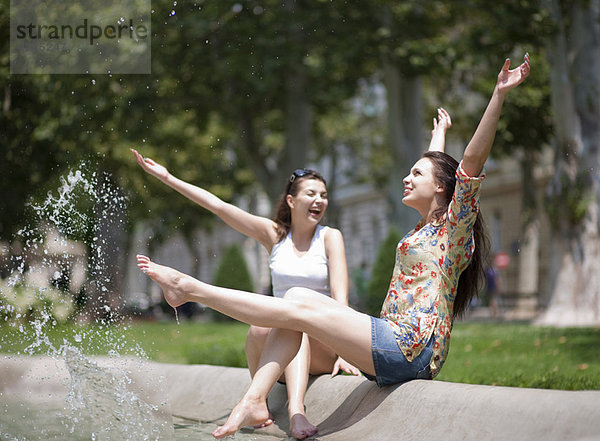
column 85, row 31
column 80, row 37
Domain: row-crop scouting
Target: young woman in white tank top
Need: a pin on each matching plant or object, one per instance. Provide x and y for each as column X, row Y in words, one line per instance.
column 288, row 269
column 302, row 253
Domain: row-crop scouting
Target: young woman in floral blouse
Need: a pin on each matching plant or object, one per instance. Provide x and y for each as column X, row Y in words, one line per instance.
column 411, row 338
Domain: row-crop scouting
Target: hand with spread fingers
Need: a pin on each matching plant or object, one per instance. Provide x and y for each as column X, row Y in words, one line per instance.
column 510, row 78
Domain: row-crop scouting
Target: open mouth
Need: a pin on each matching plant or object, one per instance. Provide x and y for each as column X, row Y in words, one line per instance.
column 315, row 211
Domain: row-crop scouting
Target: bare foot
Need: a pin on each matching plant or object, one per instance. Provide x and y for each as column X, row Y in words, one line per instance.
column 301, row 428
column 268, row 422
column 167, row 278
column 247, row 412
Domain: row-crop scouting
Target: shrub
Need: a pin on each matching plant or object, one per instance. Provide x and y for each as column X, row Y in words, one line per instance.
column 233, row 272
column 381, row 274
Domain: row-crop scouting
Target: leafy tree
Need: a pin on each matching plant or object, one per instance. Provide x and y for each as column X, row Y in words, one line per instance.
column 54, row 122
column 275, row 67
column 415, row 42
column 573, row 198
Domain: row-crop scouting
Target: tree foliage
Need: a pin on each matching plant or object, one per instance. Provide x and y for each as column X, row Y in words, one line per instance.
column 241, row 92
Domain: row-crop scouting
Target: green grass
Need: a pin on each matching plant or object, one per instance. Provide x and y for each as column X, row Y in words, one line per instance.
column 524, row 356
column 495, row 354
column 219, row 343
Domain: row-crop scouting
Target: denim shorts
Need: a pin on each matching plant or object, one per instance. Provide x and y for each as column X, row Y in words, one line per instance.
column 391, row 366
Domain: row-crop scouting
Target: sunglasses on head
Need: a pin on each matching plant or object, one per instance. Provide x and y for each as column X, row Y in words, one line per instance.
column 298, row 173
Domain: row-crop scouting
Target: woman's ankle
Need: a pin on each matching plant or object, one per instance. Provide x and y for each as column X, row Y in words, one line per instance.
column 297, row 409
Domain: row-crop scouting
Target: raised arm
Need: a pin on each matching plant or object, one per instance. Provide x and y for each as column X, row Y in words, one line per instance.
column 479, row 147
column 257, row 227
column 438, row 135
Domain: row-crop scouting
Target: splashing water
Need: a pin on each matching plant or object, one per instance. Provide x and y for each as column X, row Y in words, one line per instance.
column 176, row 316
column 101, row 395
column 64, row 259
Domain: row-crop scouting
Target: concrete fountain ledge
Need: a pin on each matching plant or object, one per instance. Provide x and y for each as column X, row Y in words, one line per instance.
column 345, row 408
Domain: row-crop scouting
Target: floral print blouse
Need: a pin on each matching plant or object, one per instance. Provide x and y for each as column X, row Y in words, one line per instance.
column 429, row 262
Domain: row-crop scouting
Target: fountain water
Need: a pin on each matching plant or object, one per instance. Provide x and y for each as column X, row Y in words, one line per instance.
column 99, row 401
column 53, row 391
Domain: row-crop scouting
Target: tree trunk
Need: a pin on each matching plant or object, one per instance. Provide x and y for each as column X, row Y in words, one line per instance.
column 298, row 124
column 405, row 131
column 574, row 194
column 273, row 171
column 527, row 283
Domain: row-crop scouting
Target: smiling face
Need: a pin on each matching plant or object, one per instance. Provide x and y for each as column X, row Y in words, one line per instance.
column 420, row 187
column 310, row 202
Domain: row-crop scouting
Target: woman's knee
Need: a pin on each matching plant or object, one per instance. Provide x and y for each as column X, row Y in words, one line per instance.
column 301, row 296
column 258, row 332
column 308, row 308
column 256, row 337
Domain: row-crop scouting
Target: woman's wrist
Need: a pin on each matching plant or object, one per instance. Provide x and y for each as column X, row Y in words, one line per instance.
column 500, row 93
column 168, row 179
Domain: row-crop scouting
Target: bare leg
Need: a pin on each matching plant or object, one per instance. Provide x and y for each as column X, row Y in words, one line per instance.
column 296, row 378
column 344, row 330
column 280, row 348
column 313, row 357
column 255, row 342
column 322, row 358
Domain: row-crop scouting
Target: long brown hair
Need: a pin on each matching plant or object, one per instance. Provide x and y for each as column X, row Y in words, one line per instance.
column 283, row 213
column 471, row 280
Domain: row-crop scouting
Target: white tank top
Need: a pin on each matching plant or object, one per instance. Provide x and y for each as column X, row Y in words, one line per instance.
column 289, row 270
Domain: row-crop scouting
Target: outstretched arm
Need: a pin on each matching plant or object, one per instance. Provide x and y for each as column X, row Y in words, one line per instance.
column 479, row 147
column 438, row 135
column 257, row 227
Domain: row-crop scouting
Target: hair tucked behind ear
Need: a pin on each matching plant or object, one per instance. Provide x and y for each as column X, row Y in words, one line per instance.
column 283, row 213
column 471, row 281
